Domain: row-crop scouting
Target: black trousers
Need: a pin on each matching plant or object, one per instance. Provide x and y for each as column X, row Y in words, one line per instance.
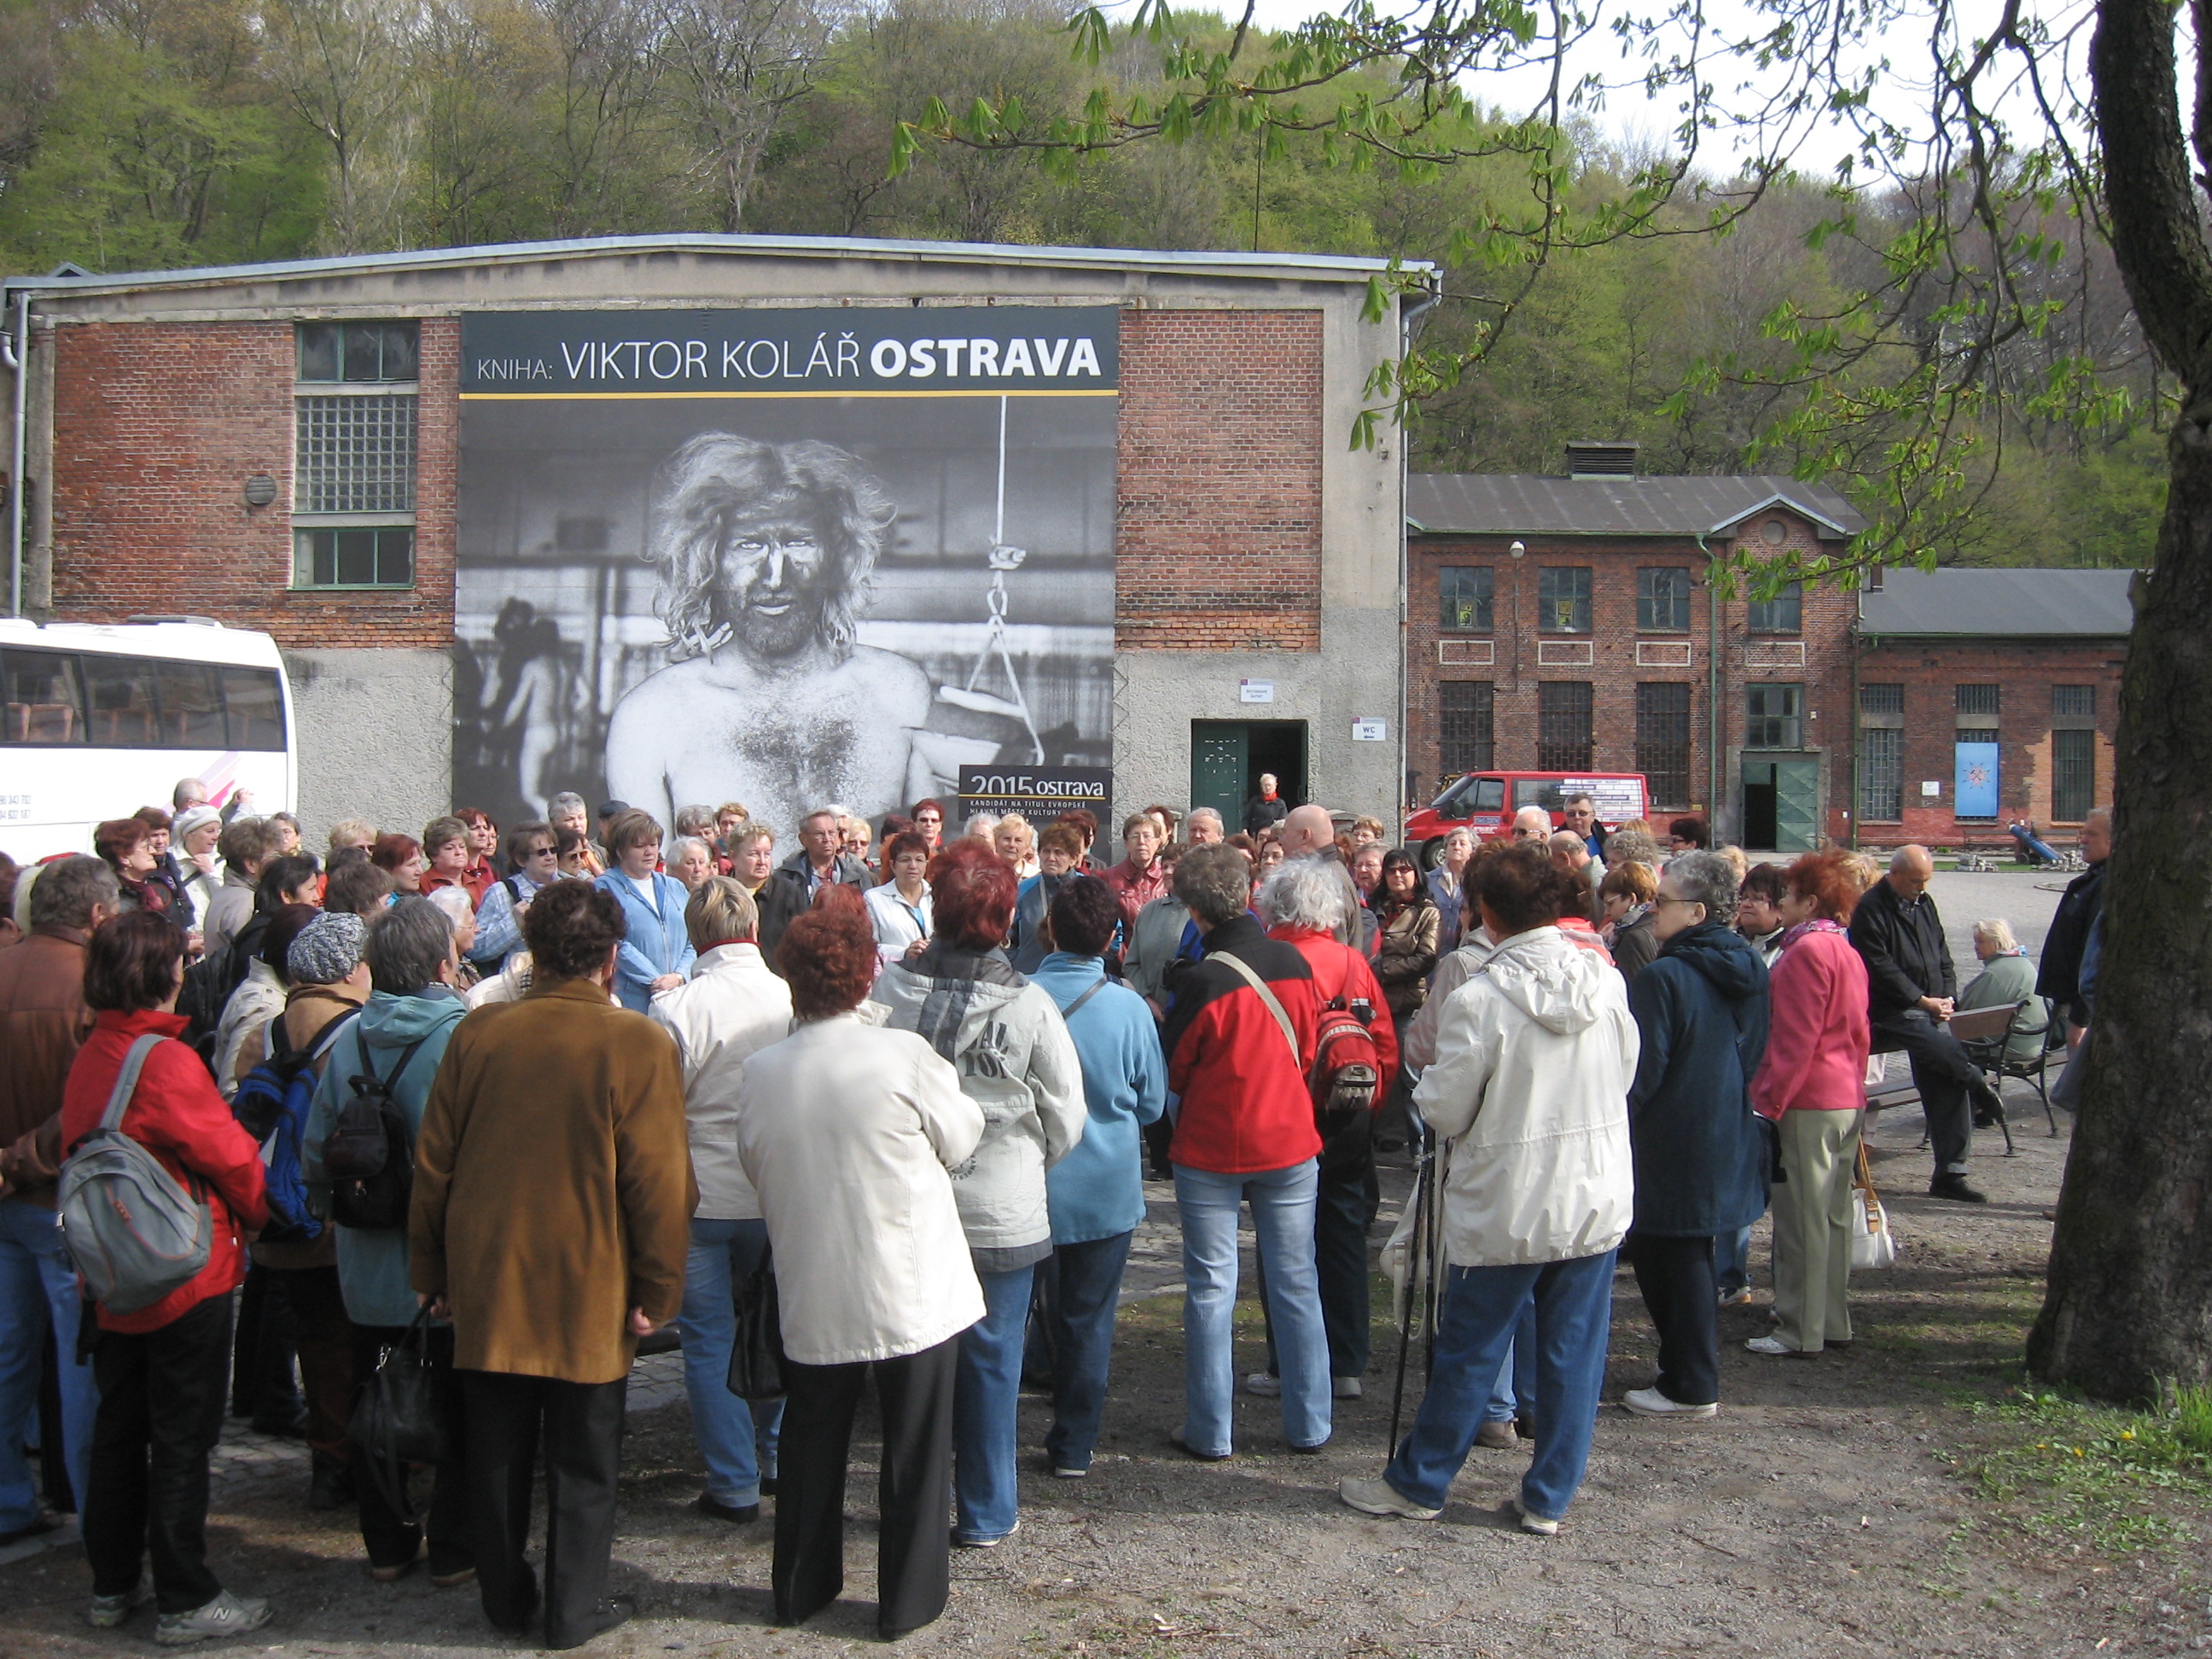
column 1947, row 1079
column 913, row 1397
column 1676, row 1276
column 160, row 1415
column 323, row 1337
column 391, row 1542
column 504, row 1417
column 261, row 1383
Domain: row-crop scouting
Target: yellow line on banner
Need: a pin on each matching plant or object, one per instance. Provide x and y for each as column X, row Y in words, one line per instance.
column 632, row 396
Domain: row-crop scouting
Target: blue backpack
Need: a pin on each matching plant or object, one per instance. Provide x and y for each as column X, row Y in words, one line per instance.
column 271, row 1105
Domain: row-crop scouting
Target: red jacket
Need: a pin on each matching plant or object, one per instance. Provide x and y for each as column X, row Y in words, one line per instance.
column 176, row 1114
column 1340, row 971
column 1246, row 1106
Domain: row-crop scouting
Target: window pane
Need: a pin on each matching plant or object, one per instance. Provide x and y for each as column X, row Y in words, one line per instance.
column 356, row 564
column 1464, row 593
column 2073, row 701
column 364, row 352
column 2073, row 774
column 1783, row 614
column 1663, row 741
column 1978, row 699
column 43, row 704
column 1539, row 791
column 1464, row 729
column 1882, row 700
column 1881, row 774
column 1563, row 600
column 191, row 705
column 1489, row 794
column 121, row 690
column 1774, row 716
column 1563, row 725
column 354, row 455
column 255, row 706
column 398, row 351
column 1662, row 598
column 395, row 557
column 319, row 350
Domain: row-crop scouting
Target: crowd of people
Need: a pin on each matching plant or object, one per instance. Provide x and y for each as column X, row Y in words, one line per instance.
column 890, row 1098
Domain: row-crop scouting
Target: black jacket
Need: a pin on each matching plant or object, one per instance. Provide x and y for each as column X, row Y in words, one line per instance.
column 1261, row 813
column 2060, row 976
column 786, row 893
column 1906, row 955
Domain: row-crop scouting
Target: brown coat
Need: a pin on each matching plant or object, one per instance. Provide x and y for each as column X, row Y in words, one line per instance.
column 553, row 1188
column 43, row 1023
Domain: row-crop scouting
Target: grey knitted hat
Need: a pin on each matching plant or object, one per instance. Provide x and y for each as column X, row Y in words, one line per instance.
column 327, row 948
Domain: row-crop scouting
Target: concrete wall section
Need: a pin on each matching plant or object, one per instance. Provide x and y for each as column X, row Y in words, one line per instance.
column 375, row 738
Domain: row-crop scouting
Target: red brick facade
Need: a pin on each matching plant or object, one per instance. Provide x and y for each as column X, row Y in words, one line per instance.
column 1218, row 545
column 157, row 427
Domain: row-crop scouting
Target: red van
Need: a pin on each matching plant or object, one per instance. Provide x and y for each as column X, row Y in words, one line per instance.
column 1484, row 803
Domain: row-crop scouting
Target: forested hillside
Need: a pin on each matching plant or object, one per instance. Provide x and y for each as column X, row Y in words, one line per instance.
column 136, row 134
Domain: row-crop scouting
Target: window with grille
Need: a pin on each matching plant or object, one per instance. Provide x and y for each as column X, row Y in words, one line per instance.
column 353, row 481
column 1563, row 725
column 1774, row 716
column 2073, row 774
column 1882, row 700
column 1463, row 596
column 1663, row 741
column 1881, row 774
column 1465, row 733
column 2073, row 702
column 1783, row 614
column 1977, row 705
column 1563, row 600
column 1662, row 598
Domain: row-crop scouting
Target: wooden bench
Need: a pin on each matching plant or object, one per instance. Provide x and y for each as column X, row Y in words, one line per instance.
column 1977, row 1026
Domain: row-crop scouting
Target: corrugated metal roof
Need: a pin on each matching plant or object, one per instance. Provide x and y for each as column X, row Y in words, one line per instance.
column 1540, row 504
column 2004, row 602
column 1321, row 266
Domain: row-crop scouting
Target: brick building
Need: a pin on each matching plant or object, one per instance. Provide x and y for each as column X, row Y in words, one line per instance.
column 280, row 447
column 1565, row 623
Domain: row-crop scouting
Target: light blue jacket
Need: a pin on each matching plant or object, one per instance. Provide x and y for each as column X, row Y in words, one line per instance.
column 657, row 945
column 1098, row 1189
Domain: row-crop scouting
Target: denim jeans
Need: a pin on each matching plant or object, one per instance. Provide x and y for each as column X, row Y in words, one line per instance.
column 986, row 1395
column 1514, row 1393
column 1482, row 1305
column 1732, row 1262
column 38, row 1286
column 1283, row 1222
column 737, row 1439
column 1086, row 1289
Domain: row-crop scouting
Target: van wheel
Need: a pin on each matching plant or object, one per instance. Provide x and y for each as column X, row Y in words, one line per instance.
column 1432, row 850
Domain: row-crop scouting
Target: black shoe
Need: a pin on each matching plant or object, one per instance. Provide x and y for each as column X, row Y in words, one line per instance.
column 736, row 1514
column 768, row 1485
column 281, row 1428
column 1954, row 1186
column 330, row 1486
column 614, row 1611
column 1190, row 1451
column 1525, row 1426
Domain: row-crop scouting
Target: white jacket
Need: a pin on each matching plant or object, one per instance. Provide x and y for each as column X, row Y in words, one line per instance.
column 1534, row 1057
column 729, row 1008
column 848, row 1131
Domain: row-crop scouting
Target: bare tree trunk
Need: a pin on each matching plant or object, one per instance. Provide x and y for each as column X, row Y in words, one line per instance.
column 2130, row 1302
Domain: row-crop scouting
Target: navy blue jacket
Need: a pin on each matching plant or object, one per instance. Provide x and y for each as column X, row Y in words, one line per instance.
column 1700, row 1156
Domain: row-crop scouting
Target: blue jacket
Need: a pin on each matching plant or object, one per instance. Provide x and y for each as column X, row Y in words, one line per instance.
column 1701, row 1008
column 373, row 1261
column 657, row 945
column 1098, row 1189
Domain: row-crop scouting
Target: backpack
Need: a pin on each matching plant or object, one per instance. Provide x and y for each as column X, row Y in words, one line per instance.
column 271, row 1105
column 132, row 1231
column 206, row 988
column 1345, row 1078
column 368, row 1155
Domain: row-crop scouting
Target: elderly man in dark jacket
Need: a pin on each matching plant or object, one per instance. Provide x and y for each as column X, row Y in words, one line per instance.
column 2060, row 977
column 790, row 888
column 1701, row 1010
column 1912, row 987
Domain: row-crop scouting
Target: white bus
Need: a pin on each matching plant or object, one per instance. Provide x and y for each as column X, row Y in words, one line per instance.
column 101, row 719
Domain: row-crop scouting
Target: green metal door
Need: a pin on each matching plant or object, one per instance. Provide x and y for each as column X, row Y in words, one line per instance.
column 1796, row 805
column 1219, row 753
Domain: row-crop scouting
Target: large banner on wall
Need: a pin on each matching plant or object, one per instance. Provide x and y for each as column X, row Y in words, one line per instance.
column 788, row 558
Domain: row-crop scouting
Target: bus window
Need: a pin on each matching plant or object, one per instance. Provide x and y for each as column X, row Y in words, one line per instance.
column 121, row 692
column 43, row 704
column 257, row 707
column 191, row 705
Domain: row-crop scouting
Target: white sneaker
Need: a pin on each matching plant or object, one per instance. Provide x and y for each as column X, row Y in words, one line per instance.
column 1649, row 1402
column 1344, row 1387
column 1535, row 1523
column 227, row 1615
column 1266, row 1387
column 107, row 1612
column 1378, row 1497
column 1769, row 1344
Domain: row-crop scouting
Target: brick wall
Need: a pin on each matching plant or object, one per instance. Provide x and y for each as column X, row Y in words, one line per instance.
column 157, row 426
column 1218, row 544
column 2024, row 670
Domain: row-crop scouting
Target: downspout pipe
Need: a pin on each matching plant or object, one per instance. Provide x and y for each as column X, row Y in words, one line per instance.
column 15, row 353
column 1712, row 690
column 1410, row 319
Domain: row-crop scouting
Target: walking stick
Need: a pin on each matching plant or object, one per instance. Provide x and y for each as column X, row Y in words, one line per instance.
column 1424, row 1166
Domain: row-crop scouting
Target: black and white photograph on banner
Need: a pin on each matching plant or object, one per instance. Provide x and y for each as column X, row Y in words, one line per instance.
column 784, row 558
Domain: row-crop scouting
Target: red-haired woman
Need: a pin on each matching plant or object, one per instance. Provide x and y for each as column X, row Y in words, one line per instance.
column 1811, row 1086
column 127, row 846
column 1017, row 1061
column 401, row 858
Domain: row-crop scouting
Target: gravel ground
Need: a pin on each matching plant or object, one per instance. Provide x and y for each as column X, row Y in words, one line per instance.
column 1831, row 1507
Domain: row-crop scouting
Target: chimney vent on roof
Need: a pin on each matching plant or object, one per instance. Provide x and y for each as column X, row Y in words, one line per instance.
column 1586, row 459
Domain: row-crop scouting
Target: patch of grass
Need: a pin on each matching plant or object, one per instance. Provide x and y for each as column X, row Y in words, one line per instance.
column 2088, row 1477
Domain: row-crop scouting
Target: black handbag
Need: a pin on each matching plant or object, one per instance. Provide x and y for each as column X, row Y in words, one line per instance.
column 757, row 1359
column 397, row 1421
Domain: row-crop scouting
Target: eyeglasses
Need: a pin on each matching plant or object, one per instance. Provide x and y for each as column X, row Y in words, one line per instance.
column 540, row 853
column 1664, row 898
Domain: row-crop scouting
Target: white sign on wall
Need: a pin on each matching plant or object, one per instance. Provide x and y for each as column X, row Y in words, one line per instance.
column 1256, row 690
column 1931, row 786
column 1368, row 728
